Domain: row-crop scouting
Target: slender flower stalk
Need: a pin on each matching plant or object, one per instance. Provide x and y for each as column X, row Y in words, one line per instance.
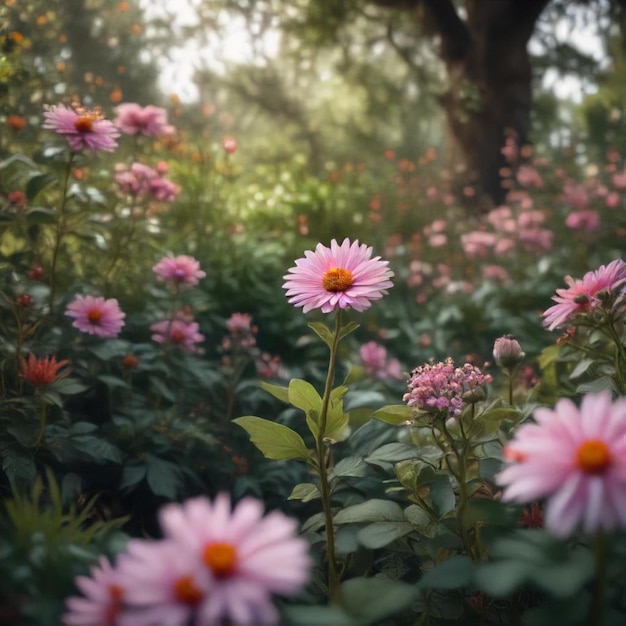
column 596, row 608
column 322, row 463
column 59, row 233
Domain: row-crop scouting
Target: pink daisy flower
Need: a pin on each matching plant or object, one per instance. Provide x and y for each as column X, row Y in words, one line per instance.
column 96, row 316
column 178, row 331
column 84, row 129
column 248, row 556
column 342, row 276
column 583, row 295
column 133, row 119
column 576, row 460
column 102, row 604
column 163, row 584
column 180, row 270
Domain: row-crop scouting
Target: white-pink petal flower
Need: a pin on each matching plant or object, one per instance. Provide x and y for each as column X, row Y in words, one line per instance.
column 575, row 459
column 342, row 276
column 96, row 316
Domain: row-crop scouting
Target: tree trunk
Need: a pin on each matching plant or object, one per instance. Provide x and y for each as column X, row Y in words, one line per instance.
column 490, row 93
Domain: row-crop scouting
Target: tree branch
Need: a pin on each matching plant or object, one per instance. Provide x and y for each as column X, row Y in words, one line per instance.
column 455, row 36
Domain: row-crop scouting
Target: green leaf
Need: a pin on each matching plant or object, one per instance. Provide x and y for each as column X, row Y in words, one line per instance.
column 582, row 366
column 162, row 477
column 113, row 381
column 133, row 474
column 453, row 573
column 317, row 615
column 442, row 495
column 278, row 391
column 392, row 453
column 305, row 492
column 68, row 387
column 375, row 510
column 323, row 332
column 100, row 450
column 303, row 396
column 349, row 466
column 346, row 329
column 40, row 215
column 418, row 517
column 374, row 599
column 381, row 534
column 38, row 182
column 361, row 399
column 396, row 414
column 275, row 441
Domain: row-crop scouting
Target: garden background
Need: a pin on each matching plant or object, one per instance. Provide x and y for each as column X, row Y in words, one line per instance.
column 477, row 147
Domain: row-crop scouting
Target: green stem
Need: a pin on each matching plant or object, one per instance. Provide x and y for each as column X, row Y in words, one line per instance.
column 58, row 236
column 595, row 616
column 322, row 462
column 509, row 374
column 43, row 422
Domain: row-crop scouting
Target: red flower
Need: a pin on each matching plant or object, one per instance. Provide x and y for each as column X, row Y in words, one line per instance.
column 41, row 371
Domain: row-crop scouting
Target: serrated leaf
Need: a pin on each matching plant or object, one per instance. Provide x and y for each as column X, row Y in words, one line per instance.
column 278, row 391
column 304, row 492
column 100, row 450
column 275, row 441
column 396, row 414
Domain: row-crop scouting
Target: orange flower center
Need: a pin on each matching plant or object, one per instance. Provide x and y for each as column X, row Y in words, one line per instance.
column 221, row 558
column 515, row 456
column 84, row 124
column 594, row 457
column 116, row 595
column 337, row 279
column 94, row 315
column 186, row 591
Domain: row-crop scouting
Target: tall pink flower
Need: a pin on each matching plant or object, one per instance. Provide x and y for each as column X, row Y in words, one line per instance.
column 84, row 129
column 248, row 556
column 576, row 460
column 180, row 270
column 586, row 294
column 133, row 119
column 342, row 276
column 376, row 362
column 179, row 332
column 96, row 316
column 102, row 604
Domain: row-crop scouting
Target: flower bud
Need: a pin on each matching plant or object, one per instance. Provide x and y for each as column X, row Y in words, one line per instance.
column 507, row 352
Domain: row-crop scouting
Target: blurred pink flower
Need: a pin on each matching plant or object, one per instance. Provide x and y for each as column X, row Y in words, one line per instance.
column 376, row 362
column 495, row 272
column 84, row 129
column 612, row 200
column 537, row 239
column 476, row 244
column 133, row 119
column 576, row 195
column 441, row 388
column 140, row 180
column 102, row 601
column 239, row 323
column 248, row 556
column 180, row 270
column 339, row 277
column 582, row 296
column 230, row 145
column 96, row 316
column 576, row 459
column 528, row 176
column 178, row 331
column 270, row 366
column 531, row 219
column 438, row 240
column 588, row 221
column 619, row 181
column 164, row 583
